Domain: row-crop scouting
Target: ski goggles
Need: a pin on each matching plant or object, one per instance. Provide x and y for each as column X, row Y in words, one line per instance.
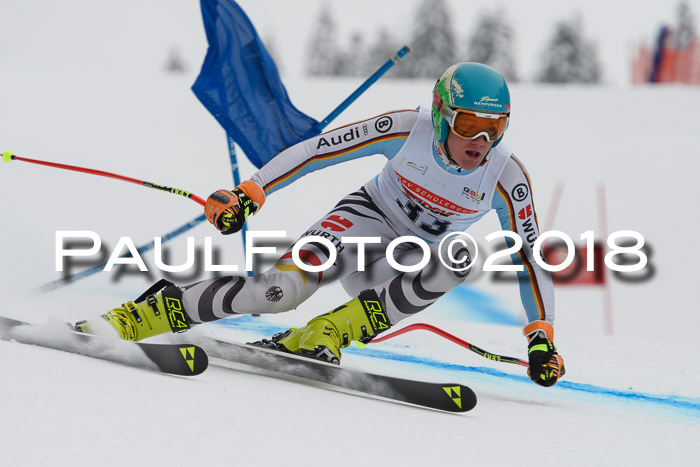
column 470, row 125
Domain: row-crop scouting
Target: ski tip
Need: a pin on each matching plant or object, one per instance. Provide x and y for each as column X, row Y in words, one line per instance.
column 195, row 358
column 7, row 156
column 462, row 397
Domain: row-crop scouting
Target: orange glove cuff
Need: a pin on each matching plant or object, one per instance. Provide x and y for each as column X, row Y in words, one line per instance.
column 539, row 326
column 253, row 191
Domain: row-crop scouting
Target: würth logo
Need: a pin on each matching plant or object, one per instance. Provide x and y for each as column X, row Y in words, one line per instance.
column 336, row 223
column 525, row 212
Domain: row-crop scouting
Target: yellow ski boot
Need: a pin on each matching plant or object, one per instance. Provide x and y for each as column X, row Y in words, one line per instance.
column 157, row 311
column 361, row 319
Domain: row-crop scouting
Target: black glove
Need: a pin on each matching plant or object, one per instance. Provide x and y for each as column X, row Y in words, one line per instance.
column 546, row 365
column 228, row 210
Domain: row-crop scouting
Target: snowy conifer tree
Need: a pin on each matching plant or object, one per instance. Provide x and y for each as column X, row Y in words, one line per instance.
column 381, row 50
column 175, row 63
column 271, row 46
column 492, row 43
column 355, row 61
column 322, row 53
column 432, row 43
column 570, row 57
column 684, row 35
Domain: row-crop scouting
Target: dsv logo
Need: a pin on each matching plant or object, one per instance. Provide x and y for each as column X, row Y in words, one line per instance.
column 383, row 124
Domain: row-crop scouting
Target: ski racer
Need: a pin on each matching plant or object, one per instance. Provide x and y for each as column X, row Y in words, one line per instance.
column 447, row 167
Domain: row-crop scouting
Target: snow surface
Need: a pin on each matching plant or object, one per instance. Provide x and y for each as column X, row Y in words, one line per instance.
column 630, row 398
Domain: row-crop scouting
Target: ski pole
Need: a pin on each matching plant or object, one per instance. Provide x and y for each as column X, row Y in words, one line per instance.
column 7, row 156
column 455, row 339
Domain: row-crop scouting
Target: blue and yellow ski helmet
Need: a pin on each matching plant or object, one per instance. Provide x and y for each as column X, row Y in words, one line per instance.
column 470, row 86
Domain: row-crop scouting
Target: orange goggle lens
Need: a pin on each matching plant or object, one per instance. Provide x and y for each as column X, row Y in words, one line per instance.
column 470, row 125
